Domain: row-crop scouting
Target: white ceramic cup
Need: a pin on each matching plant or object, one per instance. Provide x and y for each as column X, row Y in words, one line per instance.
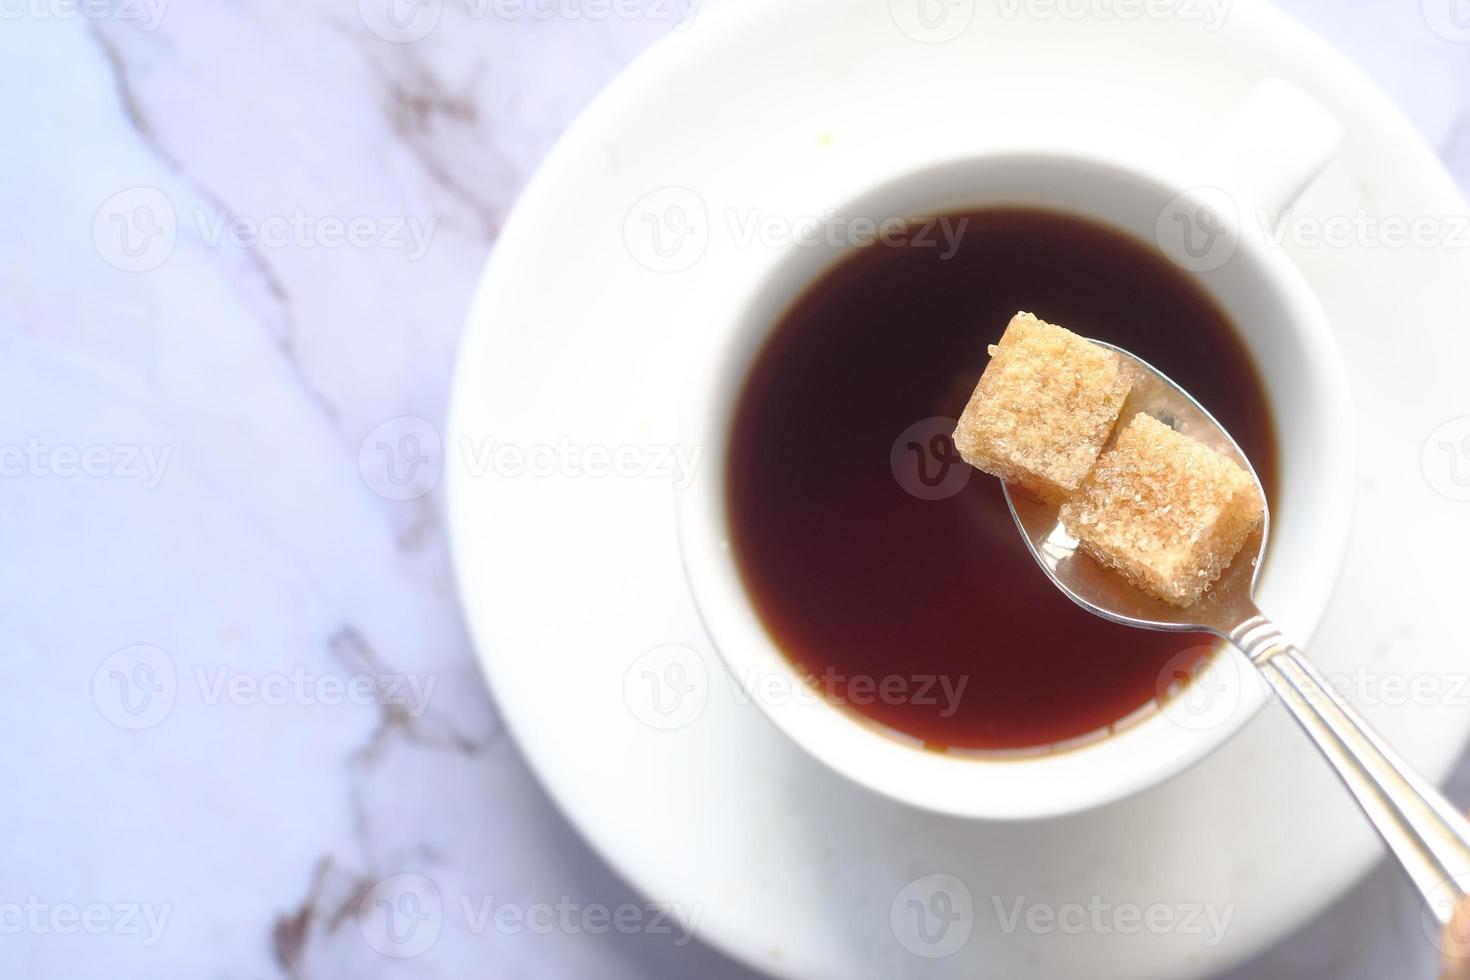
column 1211, row 220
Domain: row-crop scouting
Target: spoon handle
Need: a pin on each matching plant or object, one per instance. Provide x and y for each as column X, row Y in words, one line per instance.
column 1421, row 827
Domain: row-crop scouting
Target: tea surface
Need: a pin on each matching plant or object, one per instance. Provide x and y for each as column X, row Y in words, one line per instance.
column 887, row 569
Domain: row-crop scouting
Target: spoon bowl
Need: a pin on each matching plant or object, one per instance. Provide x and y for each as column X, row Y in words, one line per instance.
column 1422, row 829
column 1106, row 593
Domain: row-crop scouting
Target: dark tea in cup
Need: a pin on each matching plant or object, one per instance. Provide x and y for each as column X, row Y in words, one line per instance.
column 886, row 569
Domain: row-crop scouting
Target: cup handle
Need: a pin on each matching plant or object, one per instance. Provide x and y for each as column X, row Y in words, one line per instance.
column 1273, row 145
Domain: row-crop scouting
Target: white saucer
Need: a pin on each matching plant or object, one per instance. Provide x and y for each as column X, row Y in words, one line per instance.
column 572, row 584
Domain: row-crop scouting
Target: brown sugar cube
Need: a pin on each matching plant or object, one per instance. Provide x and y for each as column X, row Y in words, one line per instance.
column 1167, row 512
column 1043, row 409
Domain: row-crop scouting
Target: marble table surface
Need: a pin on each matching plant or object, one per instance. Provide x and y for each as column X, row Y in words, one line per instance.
column 239, row 240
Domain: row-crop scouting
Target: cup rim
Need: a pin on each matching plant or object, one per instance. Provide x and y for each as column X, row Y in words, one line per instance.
column 992, row 786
